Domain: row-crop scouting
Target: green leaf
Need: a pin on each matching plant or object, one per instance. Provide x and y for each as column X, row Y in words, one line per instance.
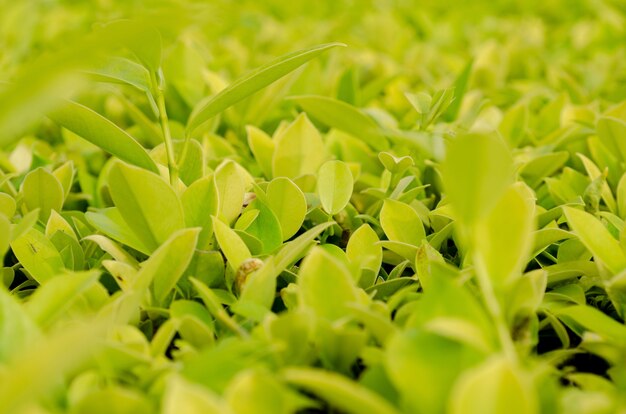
column 597, row 239
column 262, row 147
column 401, row 223
column 231, row 190
column 255, row 391
column 334, row 186
column 110, row 222
column 591, row 319
column 251, row 83
column 496, row 386
column 5, row 236
column 147, row 203
column 363, row 249
column 42, row 191
column 265, row 227
column 7, row 205
column 231, row 244
column 326, row 285
column 146, row 45
column 611, row 130
column 17, row 329
column 423, row 366
column 182, row 396
column 288, row 203
column 56, row 295
column 340, row 392
column 38, row 255
column 167, row 264
column 504, row 239
column 299, row 149
column 200, row 202
column 345, row 117
column 121, row 70
column 477, row 170
column 98, row 130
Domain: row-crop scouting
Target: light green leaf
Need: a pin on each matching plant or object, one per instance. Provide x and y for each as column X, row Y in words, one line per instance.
column 363, row 248
column 345, row 117
column 265, row 227
column 231, row 190
column 17, row 329
column 504, row 239
column 167, row 264
column 122, row 70
column 251, row 83
column 200, row 202
column 424, row 379
column 42, row 191
column 477, row 170
column 113, row 249
column 180, row 248
column 231, row 244
column 591, row 319
column 7, row 205
column 597, row 239
column 147, row 203
column 340, row 392
column 334, row 186
column 65, row 175
column 146, row 45
column 98, row 130
column 255, row 391
column 56, row 295
column 288, row 203
column 401, row 223
column 299, row 149
column 611, row 130
column 182, row 396
column 5, row 236
column 326, row 285
column 38, row 255
column 262, row 147
column 496, row 386
column 110, row 222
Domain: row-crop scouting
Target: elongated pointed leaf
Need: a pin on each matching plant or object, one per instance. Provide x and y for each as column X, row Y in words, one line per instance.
column 98, row 130
column 253, row 82
column 597, row 239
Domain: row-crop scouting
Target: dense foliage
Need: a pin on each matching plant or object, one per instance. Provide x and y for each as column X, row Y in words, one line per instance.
column 218, row 207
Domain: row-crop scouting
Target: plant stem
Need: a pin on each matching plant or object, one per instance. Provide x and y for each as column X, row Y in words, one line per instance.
column 165, row 128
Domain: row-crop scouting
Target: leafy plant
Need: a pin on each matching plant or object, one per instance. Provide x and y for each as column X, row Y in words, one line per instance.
column 430, row 220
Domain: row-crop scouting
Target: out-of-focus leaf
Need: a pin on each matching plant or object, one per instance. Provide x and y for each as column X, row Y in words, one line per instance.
column 326, row 285
column 476, row 172
column 345, row 117
column 253, row 82
column 494, row 387
column 338, row 391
